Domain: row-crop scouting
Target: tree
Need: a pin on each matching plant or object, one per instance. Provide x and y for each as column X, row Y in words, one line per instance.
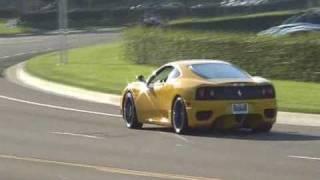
column 21, row 6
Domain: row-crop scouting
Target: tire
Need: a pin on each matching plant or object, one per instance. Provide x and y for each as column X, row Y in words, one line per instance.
column 129, row 113
column 179, row 117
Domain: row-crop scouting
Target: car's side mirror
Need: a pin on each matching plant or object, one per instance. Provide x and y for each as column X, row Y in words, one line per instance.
column 141, row 78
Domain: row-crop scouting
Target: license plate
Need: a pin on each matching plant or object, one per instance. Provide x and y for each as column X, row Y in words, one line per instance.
column 240, row 108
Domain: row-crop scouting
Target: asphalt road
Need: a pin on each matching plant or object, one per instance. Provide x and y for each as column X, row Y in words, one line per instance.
column 43, row 136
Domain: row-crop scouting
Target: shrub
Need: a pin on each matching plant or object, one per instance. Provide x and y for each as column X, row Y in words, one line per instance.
column 8, row 13
column 245, row 23
column 294, row 58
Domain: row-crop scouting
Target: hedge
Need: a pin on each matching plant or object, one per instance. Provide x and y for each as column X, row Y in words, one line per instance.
column 288, row 58
column 245, row 23
column 8, row 13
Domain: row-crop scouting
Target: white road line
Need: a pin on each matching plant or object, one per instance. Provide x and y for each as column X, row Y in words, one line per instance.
column 174, row 135
column 106, row 169
column 4, row 57
column 34, row 52
column 19, row 54
column 182, row 138
column 77, row 135
column 58, row 107
column 20, row 41
column 305, row 157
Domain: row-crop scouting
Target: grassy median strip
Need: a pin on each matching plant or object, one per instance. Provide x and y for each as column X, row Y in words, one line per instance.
column 298, row 96
column 4, row 30
column 100, row 68
column 104, row 68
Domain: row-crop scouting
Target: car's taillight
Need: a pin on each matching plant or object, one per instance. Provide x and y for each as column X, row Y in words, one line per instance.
column 205, row 93
column 268, row 92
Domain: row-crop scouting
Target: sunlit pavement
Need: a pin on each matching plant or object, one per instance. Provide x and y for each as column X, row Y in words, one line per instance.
column 44, row 142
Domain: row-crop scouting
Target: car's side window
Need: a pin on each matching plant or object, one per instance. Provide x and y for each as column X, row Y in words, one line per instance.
column 174, row 74
column 161, row 76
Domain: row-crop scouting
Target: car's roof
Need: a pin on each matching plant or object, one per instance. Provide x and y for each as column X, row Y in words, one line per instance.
column 197, row 61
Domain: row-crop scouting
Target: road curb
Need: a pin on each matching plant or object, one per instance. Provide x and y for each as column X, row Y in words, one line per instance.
column 18, row 75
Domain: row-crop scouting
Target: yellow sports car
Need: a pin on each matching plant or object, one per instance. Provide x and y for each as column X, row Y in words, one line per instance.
column 200, row 93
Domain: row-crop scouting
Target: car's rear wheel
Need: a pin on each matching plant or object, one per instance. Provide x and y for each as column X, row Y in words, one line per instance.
column 179, row 116
column 129, row 113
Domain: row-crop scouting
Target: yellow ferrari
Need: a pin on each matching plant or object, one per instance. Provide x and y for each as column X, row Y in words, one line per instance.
column 200, row 93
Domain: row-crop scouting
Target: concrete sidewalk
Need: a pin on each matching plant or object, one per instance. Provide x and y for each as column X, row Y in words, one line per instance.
column 18, row 75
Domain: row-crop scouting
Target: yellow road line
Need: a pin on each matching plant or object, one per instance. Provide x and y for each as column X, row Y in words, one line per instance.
column 109, row 169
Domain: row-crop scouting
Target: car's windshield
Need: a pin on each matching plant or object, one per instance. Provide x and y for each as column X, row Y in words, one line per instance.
column 218, row 71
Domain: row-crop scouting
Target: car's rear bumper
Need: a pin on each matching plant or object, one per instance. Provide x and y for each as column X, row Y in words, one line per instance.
column 260, row 112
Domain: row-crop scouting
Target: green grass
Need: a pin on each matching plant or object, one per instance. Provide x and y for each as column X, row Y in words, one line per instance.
column 103, row 68
column 298, row 96
column 100, row 68
column 4, row 30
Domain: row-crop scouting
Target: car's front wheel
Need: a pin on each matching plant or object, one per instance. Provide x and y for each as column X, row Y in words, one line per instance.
column 179, row 116
column 129, row 113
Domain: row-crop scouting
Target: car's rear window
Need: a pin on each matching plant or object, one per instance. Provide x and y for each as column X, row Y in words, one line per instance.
column 218, row 71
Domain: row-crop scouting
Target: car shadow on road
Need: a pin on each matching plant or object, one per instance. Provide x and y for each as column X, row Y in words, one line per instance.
column 248, row 135
column 243, row 134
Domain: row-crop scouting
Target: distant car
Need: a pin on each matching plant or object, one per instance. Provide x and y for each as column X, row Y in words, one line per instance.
column 172, row 5
column 305, row 28
column 197, row 6
column 200, row 93
column 152, row 21
column 137, row 7
column 235, row 3
column 294, row 28
column 276, row 29
column 49, row 7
